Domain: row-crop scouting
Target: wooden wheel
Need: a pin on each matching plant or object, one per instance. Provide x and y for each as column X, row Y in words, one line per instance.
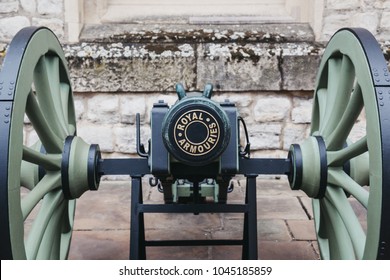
column 344, row 165
column 37, row 200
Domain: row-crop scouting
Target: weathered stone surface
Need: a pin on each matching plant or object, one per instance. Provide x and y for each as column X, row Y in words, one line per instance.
column 118, row 68
column 265, row 136
column 9, row 7
column 298, row 250
column 130, row 106
column 200, row 33
column 234, row 67
column 280, row 208
column 299, row 71
column 302, row 230
column 28, row 5
column 97, row 134
column 104, row 109
column 341, row 5
column 294, row 134
column 50, row 7
column 125, row 138
column 55, row 24
column 302, row 110
column 270, row 108
column 9, row 26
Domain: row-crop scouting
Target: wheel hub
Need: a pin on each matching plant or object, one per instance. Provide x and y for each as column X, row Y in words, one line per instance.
column 309, row 167
column 79, row 170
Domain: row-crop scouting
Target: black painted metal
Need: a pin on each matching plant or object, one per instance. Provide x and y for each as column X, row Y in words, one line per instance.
column 264, row 166
column 296, row 159
column 229, row 158
column 94, row 156
column 8, row 78
column 159, row 156
column 323, row 167
column 249, row 250
column 138, row 243
column 5, row 116
column 381, row 81
column 65, row 167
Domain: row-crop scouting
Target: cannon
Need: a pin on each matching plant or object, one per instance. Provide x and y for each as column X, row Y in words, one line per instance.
column 193, row 153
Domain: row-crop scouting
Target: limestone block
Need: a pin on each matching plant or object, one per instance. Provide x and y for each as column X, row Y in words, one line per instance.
column 125, row 138
column 9, row 26
column 104, row 108
column 299, row 71
column 130, row 105
column 9, row 7
column 302, row 111
column 55, row 24
column 367, row 20
column 80, row 107
column 29, row 6
column 236, row 68
column 385, row 21
column 265, row 136
column 294, row 134
column 97, row 134
column 332, row 23
column 50, row 7
column 271, row 109
column 342, row 5
column 121, row 68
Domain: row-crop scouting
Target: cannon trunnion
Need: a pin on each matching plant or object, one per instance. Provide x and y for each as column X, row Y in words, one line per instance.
column 193, row 153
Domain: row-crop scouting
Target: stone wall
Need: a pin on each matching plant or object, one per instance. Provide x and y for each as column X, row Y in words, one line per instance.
column 120, row 70
column 16, row 14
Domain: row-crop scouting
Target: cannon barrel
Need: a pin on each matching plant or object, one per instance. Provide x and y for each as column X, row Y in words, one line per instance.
column 196, row 130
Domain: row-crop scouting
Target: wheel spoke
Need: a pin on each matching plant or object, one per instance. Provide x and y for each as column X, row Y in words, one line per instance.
column 51, row 142
column 52, row 234
column 334, row 66
column 339, row 200
column 321, row 102
column 339, row 135
column 50, row 205
column 48, row 183
column 339, row 96
column 50, row 162
column 339, row 178
column 338, row 158
column 65, row 93
column 47, row 85
column 340, row 245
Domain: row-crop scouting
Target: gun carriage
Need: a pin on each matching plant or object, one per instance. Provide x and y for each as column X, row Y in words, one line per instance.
column 193, row 154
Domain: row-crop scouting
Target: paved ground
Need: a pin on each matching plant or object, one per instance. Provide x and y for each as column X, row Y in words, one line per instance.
column 285, row 225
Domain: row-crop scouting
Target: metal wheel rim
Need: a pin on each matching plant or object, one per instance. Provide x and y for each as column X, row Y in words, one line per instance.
column 351, row 59
column 51, row 111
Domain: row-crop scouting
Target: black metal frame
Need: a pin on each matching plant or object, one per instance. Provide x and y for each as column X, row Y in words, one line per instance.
column 138, row 167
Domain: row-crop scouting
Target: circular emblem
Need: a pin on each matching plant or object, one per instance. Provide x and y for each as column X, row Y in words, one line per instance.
column 196, row 132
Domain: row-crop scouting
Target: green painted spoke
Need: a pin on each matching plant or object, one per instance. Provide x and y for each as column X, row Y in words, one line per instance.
column 339, row 97
column 50, row 162
column 47, row 85
column 48, row 183
column 338, row 158
column 64, row 94
column 339, row 178
column 355, row 105
column 52, row 235
column 321, row 99
column 51, row 142
column 356, row 233
column 334, row 66
column 50, row 206
column 340, row 245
